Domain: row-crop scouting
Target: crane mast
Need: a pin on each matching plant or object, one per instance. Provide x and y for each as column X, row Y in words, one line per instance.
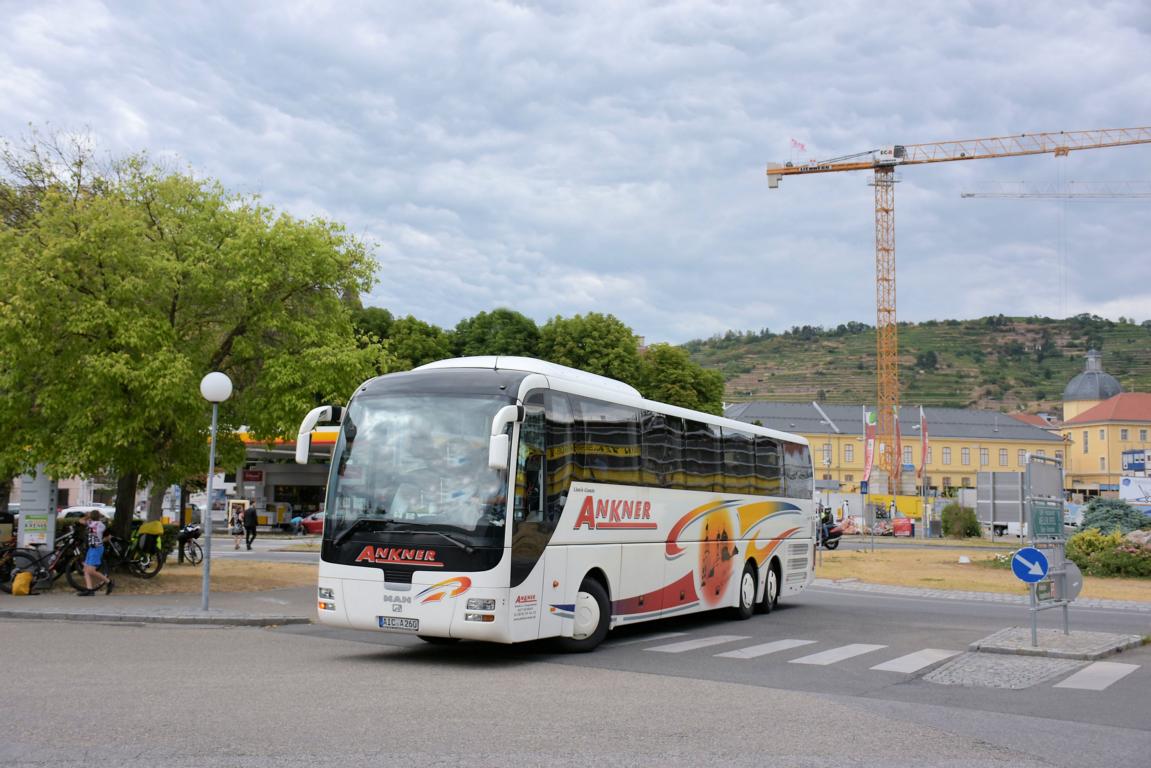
column 882, row 162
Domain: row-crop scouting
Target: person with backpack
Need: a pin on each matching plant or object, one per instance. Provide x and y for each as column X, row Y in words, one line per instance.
column 98, row 533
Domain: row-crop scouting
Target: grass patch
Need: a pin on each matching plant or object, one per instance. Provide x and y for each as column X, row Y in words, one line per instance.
column 937, row 569
column 227, row 576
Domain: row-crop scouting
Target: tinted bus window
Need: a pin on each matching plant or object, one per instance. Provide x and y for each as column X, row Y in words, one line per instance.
column 610, row 452
column 738, row 461
column 768, row 472
column 797, row 471
column 701, row 457
column 662, row 443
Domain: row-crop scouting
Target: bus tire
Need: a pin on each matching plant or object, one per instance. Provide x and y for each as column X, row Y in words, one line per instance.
column 770, row 589
column 591, row 621
column 747, row 586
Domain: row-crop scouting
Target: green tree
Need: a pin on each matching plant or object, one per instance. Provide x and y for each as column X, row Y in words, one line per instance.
column 414, row 342
column 499, row 332
column 667, row 374
column 123, row 287
column 1110, row 515
column 595, row 343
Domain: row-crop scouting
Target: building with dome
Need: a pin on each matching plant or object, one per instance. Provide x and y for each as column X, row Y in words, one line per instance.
column 1100, row 423
column 1089, row 388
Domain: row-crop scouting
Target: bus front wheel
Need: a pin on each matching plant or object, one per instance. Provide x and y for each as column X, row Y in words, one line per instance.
column 747, row 585
column 592, row 616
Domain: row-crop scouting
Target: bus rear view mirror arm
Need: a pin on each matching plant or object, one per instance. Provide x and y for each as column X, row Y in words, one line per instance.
column 500, row 444
column 330, row 413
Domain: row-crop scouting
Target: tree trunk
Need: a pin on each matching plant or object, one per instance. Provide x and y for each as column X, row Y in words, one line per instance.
column 156, row 502
column 5, row 494
column 125, row 503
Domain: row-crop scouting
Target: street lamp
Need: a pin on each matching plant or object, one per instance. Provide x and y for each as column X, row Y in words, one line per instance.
column 216, row 388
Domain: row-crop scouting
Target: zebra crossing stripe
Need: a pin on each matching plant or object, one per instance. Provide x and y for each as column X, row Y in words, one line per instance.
column 1097, row 676
column 691, row 645
column 837, row 654
column 651, row 639
column 755, row 651
column 913, row 662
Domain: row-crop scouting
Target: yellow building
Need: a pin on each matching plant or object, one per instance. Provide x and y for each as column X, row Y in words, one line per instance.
column 1098, row 436
column 961, row 443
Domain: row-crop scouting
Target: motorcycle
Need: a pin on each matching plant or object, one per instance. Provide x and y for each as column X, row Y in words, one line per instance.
column 830, row 533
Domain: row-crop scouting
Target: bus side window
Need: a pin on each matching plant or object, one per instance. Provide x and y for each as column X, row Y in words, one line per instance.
column 559, row 470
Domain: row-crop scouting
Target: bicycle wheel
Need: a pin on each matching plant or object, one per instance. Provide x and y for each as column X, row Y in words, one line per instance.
column 146, row 565
column 75, row 573
column 193, row 552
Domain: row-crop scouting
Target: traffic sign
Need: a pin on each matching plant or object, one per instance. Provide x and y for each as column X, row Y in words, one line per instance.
column 1047, row 518
column 1029, row 565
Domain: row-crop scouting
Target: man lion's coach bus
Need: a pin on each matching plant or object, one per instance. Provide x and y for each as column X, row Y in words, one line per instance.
column 507, row 499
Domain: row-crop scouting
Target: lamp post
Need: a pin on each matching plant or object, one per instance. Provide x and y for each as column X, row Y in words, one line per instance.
column 216, row 388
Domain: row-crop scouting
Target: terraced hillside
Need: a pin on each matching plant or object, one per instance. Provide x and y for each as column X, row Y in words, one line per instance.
column 1006, row 363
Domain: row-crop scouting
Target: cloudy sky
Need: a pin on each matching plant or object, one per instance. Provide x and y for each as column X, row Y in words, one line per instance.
column 560, row 158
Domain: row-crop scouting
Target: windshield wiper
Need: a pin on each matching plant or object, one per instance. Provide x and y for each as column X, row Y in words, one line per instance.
column 356, row 524
column 461, row 544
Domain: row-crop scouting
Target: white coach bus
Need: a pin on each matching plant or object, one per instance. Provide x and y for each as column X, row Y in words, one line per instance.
column 507, row 499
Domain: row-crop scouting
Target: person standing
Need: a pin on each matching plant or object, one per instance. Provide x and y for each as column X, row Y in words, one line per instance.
column 236, row 526
column 250, row 525
column 97, row 534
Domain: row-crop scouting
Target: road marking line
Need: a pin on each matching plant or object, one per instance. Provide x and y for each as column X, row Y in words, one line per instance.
column 913, row 662
column 1097, row 676
column 691, row 645
column 755, row 651
column 649, row 639
column 837, row 654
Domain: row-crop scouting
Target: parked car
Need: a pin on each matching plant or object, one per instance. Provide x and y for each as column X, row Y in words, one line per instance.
column 313, row 523
column 82, row 510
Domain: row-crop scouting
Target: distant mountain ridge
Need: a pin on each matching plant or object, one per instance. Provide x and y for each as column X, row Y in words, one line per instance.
column 1011, row 364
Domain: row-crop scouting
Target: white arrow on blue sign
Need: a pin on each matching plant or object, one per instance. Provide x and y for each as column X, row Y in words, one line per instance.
column 1030, row 565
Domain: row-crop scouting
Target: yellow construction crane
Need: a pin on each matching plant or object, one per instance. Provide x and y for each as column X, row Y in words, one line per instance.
column 883, row 162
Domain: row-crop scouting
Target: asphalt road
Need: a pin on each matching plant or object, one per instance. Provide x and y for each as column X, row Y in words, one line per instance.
column 656, row 694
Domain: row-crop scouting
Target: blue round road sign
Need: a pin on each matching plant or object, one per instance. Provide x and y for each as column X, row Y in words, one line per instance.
column 1030, row 565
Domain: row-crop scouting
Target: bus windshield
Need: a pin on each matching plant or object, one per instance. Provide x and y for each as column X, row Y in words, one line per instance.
column 417, row 464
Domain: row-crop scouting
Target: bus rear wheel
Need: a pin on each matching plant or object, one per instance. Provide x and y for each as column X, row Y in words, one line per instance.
column 770, row 590
column 591, row 620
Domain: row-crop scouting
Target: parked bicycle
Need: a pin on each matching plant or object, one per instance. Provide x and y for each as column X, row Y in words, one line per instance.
column 66, row 558
column 187, row 536
column 142, row 555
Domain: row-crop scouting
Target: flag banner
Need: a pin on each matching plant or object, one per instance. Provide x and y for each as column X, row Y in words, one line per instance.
column 798, row 145
column 870, row 427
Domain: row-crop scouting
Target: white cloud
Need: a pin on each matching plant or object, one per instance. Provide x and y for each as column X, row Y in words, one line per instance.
column 609, row 157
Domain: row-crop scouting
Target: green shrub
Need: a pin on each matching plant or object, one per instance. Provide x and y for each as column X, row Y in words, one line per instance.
column 1109, row 515
column 960, row 522
column 1099, row 554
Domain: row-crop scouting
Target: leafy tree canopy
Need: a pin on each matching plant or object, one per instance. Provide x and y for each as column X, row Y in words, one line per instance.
column 123, row 286
column 593, row 342
column 667, row 374
column 499, row 332
column 414, row 342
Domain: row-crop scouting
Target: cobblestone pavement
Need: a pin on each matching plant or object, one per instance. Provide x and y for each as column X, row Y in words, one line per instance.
column 994, row 670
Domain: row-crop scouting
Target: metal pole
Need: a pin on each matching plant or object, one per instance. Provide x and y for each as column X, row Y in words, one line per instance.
column 207, row 517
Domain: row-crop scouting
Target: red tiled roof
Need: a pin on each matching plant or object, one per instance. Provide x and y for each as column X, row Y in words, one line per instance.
column 1127, row 406
column 1033, row 419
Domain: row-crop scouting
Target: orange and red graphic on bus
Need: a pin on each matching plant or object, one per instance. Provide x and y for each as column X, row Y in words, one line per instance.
column 446, row 588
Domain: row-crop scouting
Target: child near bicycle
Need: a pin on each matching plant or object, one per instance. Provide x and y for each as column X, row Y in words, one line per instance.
column 98, row 534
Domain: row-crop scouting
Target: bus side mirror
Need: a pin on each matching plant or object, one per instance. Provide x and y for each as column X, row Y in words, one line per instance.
column 500, row 443
column 314, row 417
